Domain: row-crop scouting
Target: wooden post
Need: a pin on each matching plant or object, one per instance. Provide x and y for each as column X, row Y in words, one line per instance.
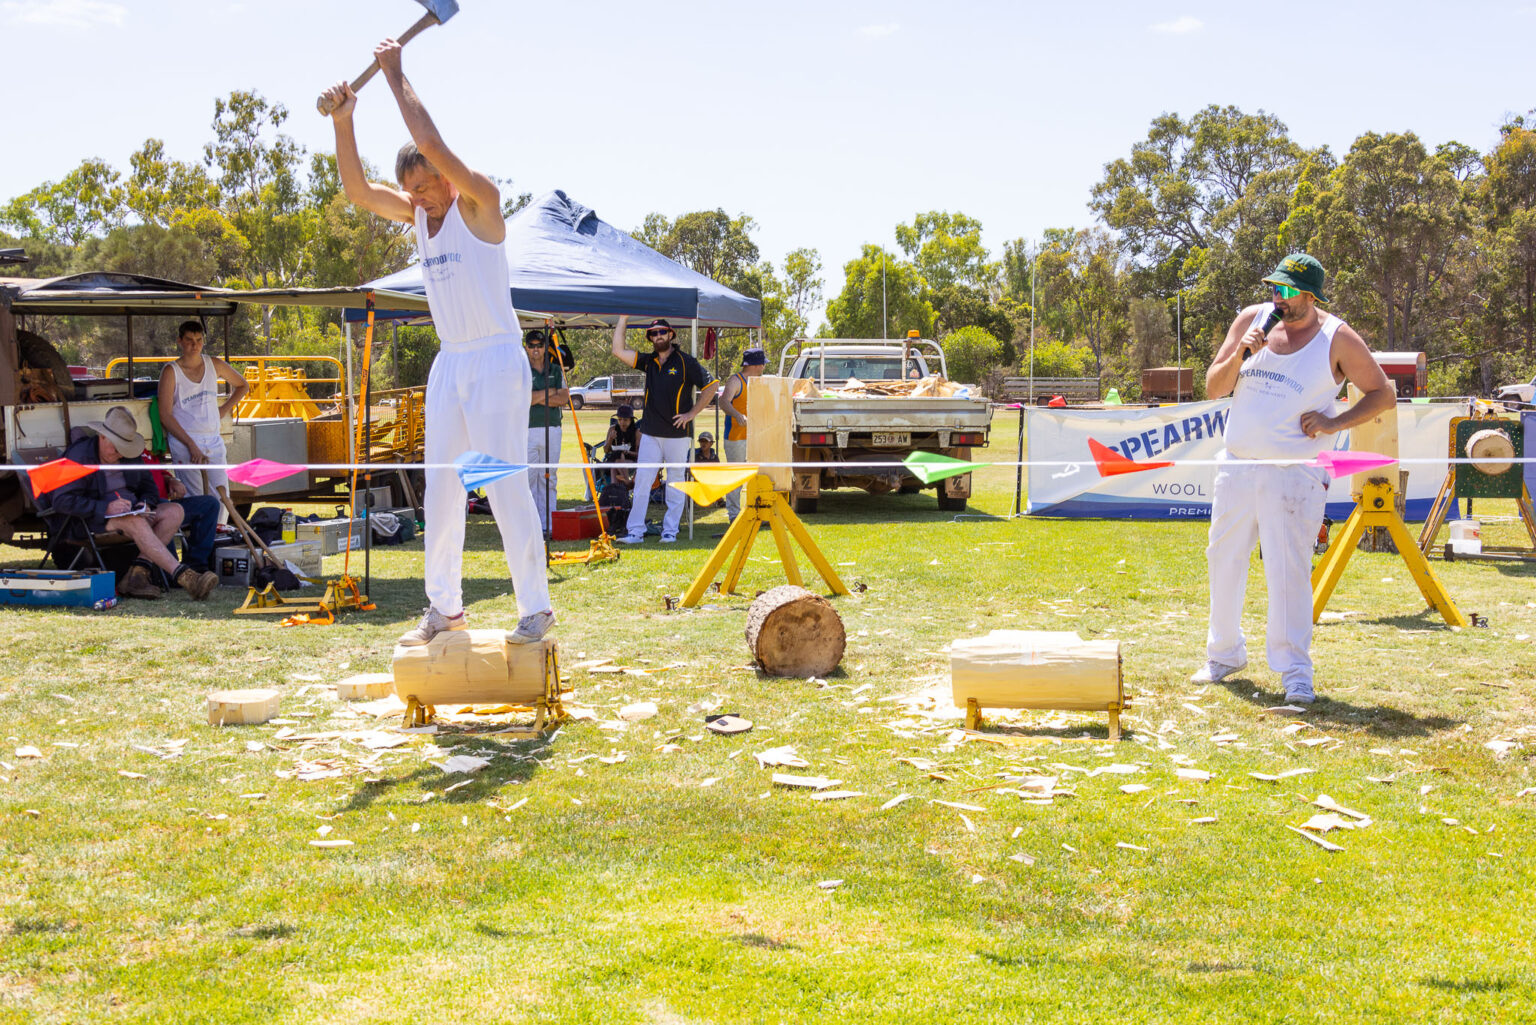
column 770, row 438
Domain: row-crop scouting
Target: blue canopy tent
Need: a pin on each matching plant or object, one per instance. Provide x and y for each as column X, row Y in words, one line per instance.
column 570, row 266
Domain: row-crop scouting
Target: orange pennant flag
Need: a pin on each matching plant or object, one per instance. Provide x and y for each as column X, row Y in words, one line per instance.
column 1112, row 463
column 55, row 474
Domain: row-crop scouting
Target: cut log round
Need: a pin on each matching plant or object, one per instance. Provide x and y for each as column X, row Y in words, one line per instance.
column 793, row 632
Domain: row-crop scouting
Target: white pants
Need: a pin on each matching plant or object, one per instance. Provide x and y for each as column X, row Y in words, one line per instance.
column 477, row 398
column 543, row 491
column 213, row 447
column 735, row 452
column 674, row 453
column 1280, row 507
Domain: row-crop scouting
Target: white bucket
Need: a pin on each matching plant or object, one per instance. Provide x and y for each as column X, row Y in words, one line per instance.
column 1466, row 537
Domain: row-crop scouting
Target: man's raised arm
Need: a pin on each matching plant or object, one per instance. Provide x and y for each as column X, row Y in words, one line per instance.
column 371, row 196
column 482, row 199
column 619, row 349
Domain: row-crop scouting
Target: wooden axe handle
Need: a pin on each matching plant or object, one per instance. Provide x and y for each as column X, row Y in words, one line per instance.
column 425, row 22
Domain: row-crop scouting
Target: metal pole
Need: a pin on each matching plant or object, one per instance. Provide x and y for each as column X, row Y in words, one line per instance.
column 1179, row 335
column 1033, row 266
column 885, row 316
column 689, row 461
column 129, row 323
column 346, row 399
column 394, row 352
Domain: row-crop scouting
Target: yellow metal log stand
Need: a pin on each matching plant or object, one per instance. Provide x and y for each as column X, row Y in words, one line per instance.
column 1377, row 507
column 761, row 504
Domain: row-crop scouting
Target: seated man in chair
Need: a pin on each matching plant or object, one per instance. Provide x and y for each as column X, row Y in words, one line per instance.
column 113, row 442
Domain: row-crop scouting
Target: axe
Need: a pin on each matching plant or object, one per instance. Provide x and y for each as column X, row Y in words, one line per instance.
column 438, row 11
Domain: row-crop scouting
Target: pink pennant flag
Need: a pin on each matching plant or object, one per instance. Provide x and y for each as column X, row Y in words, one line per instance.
column 257, row 472
column 1343, row 463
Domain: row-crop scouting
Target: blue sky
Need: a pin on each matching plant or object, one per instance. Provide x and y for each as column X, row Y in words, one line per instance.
column 828, row 122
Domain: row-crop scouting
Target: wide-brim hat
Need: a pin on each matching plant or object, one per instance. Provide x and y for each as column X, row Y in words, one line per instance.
column 120, row 428
column 1300, row 271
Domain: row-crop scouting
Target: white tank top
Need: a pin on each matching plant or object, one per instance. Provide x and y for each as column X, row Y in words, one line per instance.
column 469, row 287
column 196, row 403
column 1272, row 392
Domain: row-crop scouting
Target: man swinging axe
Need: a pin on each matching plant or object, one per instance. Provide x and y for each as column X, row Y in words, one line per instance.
column 480, row 385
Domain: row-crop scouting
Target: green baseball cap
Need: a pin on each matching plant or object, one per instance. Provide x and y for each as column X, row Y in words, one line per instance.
column 1300, row 271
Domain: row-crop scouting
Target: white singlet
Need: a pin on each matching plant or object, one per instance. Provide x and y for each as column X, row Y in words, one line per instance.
column 196, row 405
column 1272, row 392
column 469, row 287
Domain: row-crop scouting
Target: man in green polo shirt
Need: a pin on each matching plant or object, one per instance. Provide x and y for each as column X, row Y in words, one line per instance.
column 549, row 396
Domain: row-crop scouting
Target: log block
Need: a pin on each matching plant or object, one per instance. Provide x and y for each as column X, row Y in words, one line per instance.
column 464, row 667
column 365, row 686
column 792, row 632
column 1378, row 435
column 770, row 434
column 241, row 707
column 1037, row 669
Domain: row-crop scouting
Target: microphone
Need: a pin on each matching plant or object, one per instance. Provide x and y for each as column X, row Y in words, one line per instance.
column 1264, row 329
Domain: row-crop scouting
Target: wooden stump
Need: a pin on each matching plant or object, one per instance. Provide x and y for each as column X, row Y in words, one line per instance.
column 793, row 632
column 241, row 707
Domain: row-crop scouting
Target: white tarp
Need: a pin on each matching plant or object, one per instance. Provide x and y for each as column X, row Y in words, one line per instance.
column 1189, row 431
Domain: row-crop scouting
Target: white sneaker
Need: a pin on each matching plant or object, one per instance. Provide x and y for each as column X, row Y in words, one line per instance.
column 1214, row 672
column 1299, row 693
column 532, row 628
column 667, row 539
column 432, row 623
column 630, row 539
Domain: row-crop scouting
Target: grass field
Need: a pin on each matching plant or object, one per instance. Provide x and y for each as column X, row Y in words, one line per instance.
column 154, row 869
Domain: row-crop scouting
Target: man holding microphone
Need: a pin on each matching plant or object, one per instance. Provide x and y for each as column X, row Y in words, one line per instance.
column 1283, row 363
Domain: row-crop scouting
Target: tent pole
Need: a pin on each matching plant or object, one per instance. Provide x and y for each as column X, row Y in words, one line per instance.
column 695, row 344
column 346, row 402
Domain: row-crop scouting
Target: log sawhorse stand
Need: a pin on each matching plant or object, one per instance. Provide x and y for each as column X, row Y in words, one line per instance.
column 1377, row 507
column 761, row 504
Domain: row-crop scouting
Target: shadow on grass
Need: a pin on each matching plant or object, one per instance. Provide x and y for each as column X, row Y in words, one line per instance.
column 40, row 926
column 1084, row 732
column 509, row 766
column 1467, row 985
column 758, row 941
column 273, row 931
column 1334, row 712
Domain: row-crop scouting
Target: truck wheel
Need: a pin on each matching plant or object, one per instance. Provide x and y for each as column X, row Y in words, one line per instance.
column 910, row 487
column 577, row 402
column 948, row 504
column 805, row 505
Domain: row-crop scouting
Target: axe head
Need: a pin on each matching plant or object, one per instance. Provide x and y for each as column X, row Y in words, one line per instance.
column 442, row 10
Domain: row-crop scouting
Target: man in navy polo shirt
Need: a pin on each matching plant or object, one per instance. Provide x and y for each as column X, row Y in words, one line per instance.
column 671, row 378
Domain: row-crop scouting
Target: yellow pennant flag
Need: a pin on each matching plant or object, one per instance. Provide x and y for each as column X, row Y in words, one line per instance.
column 712, row 483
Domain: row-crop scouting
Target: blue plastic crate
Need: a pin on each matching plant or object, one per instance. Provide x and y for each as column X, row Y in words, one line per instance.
column 87, row 589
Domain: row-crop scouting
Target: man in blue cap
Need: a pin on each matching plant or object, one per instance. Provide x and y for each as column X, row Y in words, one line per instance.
column 671, row 378
column 1283, row 362
column 733, row 399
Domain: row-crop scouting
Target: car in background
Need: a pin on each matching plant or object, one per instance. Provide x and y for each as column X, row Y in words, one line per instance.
column 1519, row 392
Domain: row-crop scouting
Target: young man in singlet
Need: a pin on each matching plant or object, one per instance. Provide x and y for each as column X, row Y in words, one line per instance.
column 733, row 399
column 480, row 385
column 190, row 409
column 1284, row 386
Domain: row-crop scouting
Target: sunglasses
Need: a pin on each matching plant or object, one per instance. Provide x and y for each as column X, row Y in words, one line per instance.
column 1284, row 291
column 658, row 333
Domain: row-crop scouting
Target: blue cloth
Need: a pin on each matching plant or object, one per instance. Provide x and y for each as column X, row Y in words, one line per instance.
column 476, row 469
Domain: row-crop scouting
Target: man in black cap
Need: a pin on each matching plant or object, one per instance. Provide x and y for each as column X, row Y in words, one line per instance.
column 671, row 378
column 1282, row 362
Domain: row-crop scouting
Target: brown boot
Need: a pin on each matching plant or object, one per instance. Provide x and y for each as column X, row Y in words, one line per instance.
column 136, row 583
column 198, row 585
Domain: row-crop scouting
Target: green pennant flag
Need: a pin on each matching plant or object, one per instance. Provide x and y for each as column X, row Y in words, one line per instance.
column 929, row 467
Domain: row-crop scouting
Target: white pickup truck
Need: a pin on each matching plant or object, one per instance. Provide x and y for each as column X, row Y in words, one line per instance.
column 848, row 416
column 610, row 390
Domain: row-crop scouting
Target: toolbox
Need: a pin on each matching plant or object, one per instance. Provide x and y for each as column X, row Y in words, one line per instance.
column 233, row 565
column 332, row 534
column 85, row 589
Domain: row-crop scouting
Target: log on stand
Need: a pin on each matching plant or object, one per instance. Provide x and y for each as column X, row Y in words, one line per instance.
column 793, row 632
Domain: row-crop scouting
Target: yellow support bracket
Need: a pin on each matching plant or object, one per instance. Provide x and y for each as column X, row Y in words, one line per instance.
column 1377, row 507
column 761, row 504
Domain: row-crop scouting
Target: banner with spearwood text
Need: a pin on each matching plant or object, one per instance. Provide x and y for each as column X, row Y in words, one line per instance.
column 1079, row 487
